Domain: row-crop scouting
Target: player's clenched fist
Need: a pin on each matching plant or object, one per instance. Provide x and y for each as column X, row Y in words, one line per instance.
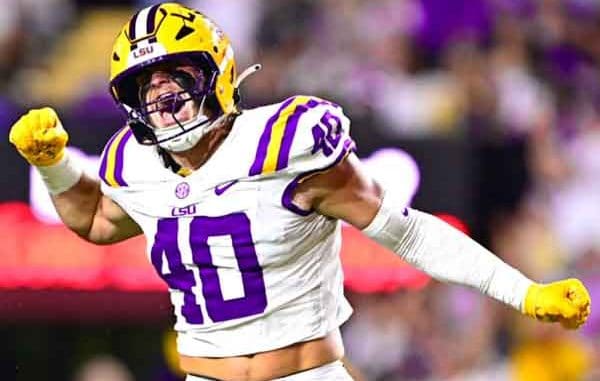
column 566, row 301
column 39, row 137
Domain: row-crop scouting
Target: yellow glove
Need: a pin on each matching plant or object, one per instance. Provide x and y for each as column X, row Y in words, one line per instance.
column 566, row 301
column 39, row 137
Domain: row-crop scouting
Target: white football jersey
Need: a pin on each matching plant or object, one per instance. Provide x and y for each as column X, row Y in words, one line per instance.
column 248, row 271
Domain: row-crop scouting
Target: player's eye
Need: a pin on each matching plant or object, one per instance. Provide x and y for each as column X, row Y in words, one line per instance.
column 185, row 80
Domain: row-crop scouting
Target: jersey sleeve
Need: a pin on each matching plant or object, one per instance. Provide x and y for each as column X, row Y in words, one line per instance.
column 322, row 139
column 305, row 136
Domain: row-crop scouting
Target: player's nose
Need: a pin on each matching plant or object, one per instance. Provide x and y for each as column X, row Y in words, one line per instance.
column 159, row 78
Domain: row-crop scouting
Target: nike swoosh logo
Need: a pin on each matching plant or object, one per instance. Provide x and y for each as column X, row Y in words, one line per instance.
column 221, row 188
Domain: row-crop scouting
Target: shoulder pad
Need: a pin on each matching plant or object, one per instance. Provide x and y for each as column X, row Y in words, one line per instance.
column 113, row 157
column 305, row 134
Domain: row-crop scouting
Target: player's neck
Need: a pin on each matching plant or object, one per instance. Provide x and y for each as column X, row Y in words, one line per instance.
column 195, row 157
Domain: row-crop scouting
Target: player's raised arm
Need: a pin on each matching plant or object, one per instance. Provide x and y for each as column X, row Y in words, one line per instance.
column 348, row 193
column 41, row 140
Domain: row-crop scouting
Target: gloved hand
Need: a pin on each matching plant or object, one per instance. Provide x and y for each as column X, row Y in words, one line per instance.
column 566, row 301
column 39, row 137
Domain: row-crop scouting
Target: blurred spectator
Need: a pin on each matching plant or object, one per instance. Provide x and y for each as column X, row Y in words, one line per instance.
column 240, row 19
column 548, row 354
column 12, row 36
column 567, row 170
column 381, row 352
column 103, row 368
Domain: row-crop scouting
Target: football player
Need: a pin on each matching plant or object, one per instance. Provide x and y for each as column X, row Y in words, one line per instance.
column 241, row 209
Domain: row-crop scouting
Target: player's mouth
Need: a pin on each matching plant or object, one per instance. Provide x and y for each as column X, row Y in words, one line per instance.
column 171, row 107
column 169, row 102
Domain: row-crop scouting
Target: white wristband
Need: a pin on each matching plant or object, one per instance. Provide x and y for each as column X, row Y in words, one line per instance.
column 61, row 176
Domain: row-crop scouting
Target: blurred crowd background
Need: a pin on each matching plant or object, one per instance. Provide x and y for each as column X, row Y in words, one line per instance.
column 511, row 87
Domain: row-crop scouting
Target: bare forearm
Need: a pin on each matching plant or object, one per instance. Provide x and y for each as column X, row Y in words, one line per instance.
column 77, row 206
column 93, row 216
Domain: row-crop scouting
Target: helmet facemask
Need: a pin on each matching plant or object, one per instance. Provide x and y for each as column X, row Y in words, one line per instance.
column 197, row 87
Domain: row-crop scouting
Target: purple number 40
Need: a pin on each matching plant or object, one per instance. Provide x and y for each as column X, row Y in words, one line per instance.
column 235, row 225
column 326, row 134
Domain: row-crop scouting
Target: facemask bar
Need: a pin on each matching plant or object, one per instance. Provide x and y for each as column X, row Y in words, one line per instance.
column 139, row 117
column 192, row 89
column 127, row 95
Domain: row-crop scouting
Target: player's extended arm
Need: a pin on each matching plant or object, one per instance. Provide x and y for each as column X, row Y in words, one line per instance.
column 41, row 140
column 428, row 243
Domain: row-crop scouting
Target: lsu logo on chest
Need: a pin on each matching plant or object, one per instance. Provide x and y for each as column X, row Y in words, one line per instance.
column 224, row 197
column 188, row 210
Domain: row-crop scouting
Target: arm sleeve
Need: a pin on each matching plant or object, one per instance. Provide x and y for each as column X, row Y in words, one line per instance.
column 446, row 254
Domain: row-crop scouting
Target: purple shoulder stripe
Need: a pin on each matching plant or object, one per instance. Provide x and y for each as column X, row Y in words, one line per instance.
column 111, row 165
column 282, row 147
column 119, row 160
column 104, row 160
column 263, row 143
column 290, row 132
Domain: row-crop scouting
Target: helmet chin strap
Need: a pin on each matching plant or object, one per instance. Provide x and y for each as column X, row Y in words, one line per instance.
column 183, row 136
column 247, row 72
column 198, row 127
